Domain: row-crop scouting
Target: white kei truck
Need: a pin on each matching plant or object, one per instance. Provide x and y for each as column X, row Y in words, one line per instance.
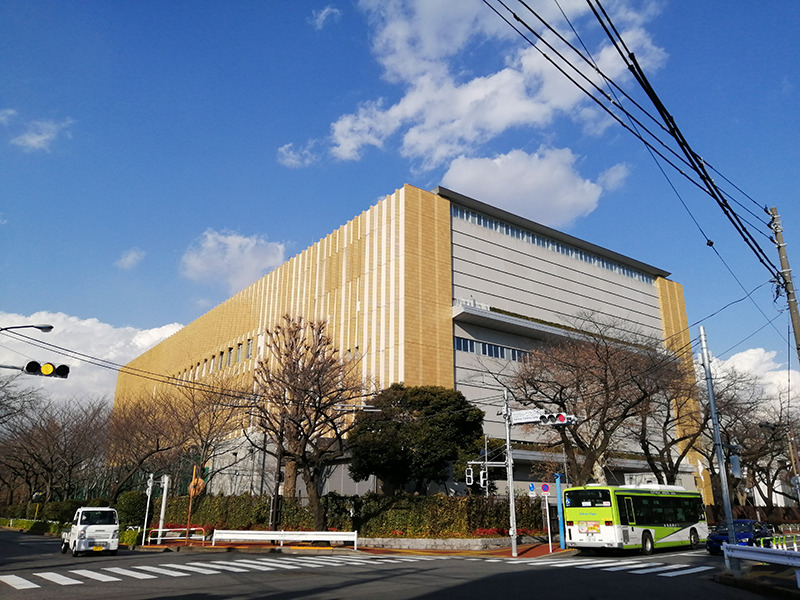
column 93, row 529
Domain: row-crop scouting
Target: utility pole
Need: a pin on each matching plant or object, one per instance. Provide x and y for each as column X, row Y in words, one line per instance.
column 786, row 274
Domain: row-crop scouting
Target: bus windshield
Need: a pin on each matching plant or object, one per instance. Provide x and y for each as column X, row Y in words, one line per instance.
column 587, row 497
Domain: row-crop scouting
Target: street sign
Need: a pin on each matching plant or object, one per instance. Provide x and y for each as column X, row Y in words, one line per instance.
column 531, row 487
column 545, row 488
column 518, row 417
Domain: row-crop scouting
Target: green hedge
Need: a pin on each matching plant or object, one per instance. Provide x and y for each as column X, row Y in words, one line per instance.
column 31, row 526
column 373, row 515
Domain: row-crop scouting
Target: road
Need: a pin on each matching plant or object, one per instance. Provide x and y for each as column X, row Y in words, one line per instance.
column 32, row 567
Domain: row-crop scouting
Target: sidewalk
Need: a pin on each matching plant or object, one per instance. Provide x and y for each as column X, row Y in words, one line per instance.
column 535, row 550
column 767, row 580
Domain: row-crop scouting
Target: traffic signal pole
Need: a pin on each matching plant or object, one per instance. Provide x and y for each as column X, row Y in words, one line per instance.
column 512, row 513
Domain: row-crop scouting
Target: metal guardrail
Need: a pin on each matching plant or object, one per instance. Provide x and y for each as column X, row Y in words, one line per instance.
column 234, row 535
column 776, row 556
column 177, row 534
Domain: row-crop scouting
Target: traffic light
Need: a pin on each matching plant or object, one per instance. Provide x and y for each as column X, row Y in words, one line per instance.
column 47, row 369
column 484, row 478
column 468, row 476
column 556, row 419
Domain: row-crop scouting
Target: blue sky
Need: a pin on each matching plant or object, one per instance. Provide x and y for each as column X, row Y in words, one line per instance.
column 157, row 157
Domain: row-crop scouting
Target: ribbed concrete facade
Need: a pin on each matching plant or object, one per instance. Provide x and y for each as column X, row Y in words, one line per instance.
column 430, row 288
column 382, row 281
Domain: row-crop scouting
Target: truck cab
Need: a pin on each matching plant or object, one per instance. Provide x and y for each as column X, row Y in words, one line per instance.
column 93, row 529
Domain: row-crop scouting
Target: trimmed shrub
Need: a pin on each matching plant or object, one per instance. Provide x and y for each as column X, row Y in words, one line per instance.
column 131, row 507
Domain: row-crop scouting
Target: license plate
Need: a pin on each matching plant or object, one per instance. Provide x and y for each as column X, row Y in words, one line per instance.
column 97, row 548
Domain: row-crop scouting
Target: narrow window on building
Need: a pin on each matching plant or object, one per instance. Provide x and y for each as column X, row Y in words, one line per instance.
column 239, row 353
column 249, row 352
column 230, row 357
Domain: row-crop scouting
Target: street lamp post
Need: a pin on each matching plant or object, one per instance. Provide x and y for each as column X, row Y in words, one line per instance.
column 42, row 328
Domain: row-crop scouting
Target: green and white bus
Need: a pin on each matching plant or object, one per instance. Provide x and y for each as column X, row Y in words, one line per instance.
column 633, row 517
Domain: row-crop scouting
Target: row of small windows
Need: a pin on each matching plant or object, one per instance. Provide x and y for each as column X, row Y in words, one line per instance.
column 491, row 350
column 226, row 358
column 536, row 239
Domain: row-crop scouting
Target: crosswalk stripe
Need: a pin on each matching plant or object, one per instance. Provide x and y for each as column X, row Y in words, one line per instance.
column 18, row 583
column 161, row 570
column 196, row 569
column 657, row 569
column 128, row 573
column 347, row 560
column 58, row 578
column 225, row 565
column 629, row 564
column 685, row 572
column 569, row 563
column 251, row 564
column 309, row 562
column 94, row 575
column 278, row 563
column 599, row 564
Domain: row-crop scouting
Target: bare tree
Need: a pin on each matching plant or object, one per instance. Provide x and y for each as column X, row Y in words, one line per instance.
column 306, row 392
column 55, row 446
column 669, row 425
column 14, row 399
column 605, row 376
column 211, row 412
column 142, row 429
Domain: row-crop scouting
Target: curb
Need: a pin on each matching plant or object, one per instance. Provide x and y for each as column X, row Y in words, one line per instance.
column 764, row 588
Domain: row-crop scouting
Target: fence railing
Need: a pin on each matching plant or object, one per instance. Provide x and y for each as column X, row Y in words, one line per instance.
column 177, row 534
column 776, row 555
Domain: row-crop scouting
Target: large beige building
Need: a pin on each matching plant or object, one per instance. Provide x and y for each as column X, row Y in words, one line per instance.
column 429, row 287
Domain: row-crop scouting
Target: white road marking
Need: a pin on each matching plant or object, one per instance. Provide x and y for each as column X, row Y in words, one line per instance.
column 686, row 572
column 161, row 570
column 657, row 569
column 281, row 564
column 18, row 583
column 58, row 578
column 94, row 575
column 630, row 565
column 128, row 573
column 225, row 565
column 196, row 569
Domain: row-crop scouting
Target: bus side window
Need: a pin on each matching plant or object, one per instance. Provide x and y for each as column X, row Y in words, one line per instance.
column 631, row 515
column 623, row 509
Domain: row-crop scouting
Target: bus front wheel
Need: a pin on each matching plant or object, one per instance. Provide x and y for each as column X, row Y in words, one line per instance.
column 647, row 543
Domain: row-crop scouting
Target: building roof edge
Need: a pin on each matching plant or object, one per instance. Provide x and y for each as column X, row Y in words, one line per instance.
column 560, row 236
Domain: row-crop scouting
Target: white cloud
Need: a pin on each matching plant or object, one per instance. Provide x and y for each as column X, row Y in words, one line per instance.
column 544, row 187
column 41, row 135
column 130, row 259
column 320, row 17
column 761, row 363
column 447, row 111
column 6, row 115
column 231, row 258
column 293, row 158
column 93, row 340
